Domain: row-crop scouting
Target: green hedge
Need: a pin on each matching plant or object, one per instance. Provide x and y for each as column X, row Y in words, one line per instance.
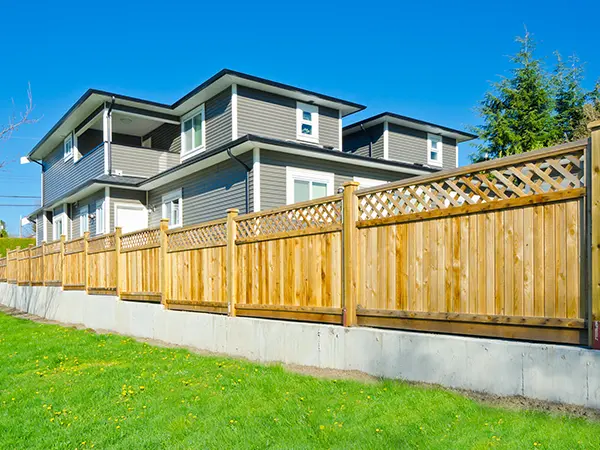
column 10, row 243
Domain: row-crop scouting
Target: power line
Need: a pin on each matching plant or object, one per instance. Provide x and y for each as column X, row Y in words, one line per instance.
column 19, row 196
column 9, row 204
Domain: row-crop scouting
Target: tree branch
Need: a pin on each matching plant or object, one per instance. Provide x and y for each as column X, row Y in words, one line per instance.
column 15, row 122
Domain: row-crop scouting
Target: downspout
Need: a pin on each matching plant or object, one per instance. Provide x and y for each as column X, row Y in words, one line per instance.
column 248, row 169
column 109, row 134
column 370, row 140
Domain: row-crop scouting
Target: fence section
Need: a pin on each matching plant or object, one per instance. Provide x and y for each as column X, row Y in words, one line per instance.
column 74, row 264
column 53, row 263
column 37, row 265
column 288, row 262
column 139, row 264
column 23, row 267
column 3, row 269
column 196, row 269
column 493, row 248
column 102, row 265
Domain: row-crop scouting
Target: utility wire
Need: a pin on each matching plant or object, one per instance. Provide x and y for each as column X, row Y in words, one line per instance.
column 19, row 196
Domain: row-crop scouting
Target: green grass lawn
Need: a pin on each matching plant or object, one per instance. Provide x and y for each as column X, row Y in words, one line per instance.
column 67, row 388
column 10, row 243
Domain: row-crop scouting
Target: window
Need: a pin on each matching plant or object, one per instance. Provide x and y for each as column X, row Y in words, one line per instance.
column 100, row 216
column 68, row 147
column 172, row 208
column 307, row 122
column 434, row 149
column 192, row 133
column 83, row 219
column 303, row 185
column 59, row 226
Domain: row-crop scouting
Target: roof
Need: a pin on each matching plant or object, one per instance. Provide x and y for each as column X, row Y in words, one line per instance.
column 92, row 98
column 410, row 122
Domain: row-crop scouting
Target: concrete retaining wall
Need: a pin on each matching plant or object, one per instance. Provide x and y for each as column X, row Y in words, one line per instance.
column 542, row 371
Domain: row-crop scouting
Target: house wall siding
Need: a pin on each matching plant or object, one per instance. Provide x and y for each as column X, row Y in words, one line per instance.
column 218, row 119
column 62, row 177
column 358, row 142
column 39, row 228
column 273, row 174
column 166, row 137
column 140, row 161
column 270, row 115
column 409, row 145
column 89, row 201
column 207, row 194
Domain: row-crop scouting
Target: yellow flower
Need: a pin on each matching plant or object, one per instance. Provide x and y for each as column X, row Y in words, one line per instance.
column 322, row 427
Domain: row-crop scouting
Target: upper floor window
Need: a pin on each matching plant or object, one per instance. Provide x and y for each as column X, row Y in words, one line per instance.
column 68, row 147
column 434, row 149
column 303, row 185
column 192, row 133
column 58, row 225
column 172, row 208
column 307, row 122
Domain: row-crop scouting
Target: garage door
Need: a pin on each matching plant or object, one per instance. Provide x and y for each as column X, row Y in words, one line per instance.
column 131, row 218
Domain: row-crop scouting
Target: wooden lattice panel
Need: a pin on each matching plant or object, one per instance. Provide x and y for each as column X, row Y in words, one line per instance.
column 74, row 246
column 101, row 243
column 307, row 216
column 2, row 262
column 53, row 247
column 141, row 239
column 485, row 183
column 200, row 236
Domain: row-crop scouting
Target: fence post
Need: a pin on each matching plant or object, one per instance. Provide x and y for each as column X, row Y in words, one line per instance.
column 29, row 247
column 349, row 247
column 18, row 270
column 43, row 263
column 86, row 261
column 63, row 275
column 594, row 233
column 165, row 277
column 231, row 261
column 118, row 231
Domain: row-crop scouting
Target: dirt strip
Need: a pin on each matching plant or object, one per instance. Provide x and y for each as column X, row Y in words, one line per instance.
column 512, row 402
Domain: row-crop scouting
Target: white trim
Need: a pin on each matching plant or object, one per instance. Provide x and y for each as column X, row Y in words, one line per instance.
column 234, row 112
column 200, row 110
column 59, row 217
column 45, row 226
column 386, row 140
column 340, row 137
column 313, row 122
column 83, row 219
column 143, row 116
column 87, row 126
column 107, row 209
column 105, row 138
column 256, row 178
column 369, row 182
column 76, row 155
column 168, row 197
column 294, row 173
column 127, row 205
column 67, row 156
column 439, row 161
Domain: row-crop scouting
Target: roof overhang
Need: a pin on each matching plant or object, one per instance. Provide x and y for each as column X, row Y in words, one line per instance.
column 409, row 122
column 94, row 98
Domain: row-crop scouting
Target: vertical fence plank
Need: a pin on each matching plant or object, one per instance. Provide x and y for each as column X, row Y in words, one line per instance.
column 349, row 235
column 594, row 200
column 118, row 265
column 164, row 262
column 232, row 272
column 86, row 260
column 29, row 263
column 62, row 260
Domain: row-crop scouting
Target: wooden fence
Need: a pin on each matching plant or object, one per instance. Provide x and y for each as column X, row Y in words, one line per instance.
column 501, row 248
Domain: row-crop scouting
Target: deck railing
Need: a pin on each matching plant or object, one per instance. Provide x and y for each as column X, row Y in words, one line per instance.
column 502, row 248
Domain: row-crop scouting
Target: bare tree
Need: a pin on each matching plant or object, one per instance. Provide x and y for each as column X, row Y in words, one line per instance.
column 16, row 121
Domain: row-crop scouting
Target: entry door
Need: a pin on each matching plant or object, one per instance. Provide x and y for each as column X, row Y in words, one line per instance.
column 131, row 218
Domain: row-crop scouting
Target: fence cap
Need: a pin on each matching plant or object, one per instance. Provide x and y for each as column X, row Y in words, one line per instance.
column 232, row 210
column 350, row 183
column 593, row 125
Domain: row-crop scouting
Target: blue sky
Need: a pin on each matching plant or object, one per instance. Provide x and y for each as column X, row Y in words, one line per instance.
column 430, row 60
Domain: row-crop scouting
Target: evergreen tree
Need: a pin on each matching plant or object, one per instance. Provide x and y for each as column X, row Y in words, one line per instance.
column 570, row 99
column 518, row 112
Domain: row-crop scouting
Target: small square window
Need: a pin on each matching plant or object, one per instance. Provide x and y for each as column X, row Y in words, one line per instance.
column 172, row 208
column 434, row 149
column 306, row 129
column 192, row 133
column 306, row 115
column 307, row 122
column 68, row 147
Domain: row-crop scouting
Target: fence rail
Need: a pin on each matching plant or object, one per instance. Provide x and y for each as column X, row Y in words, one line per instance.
column 493, row 249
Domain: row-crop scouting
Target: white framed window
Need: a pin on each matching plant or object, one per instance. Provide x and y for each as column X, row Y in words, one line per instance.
column 100, row 216
column 369, row 182
column 84, row 214
column 434, row 149
column 307, row 122
column 193, row 136
column 303, row 184
column 59, row 226
column 68, row 147
column 172, row 208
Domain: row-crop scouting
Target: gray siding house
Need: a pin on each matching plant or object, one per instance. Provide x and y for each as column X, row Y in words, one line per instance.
column 235, row 141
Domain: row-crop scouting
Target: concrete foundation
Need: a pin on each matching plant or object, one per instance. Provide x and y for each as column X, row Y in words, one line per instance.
column 547, row 372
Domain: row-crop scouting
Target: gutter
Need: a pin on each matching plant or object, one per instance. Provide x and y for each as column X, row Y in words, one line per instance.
column 370, row 140
column 248, row 169
column 109, row 134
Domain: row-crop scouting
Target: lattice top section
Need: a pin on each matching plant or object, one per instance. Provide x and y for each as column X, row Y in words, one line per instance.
column 101, row 243
column 23, row 255
column 2, row 262
column 53, row 247
column 141, row 239
column 518, row 178
column 36, row 251
column 75, row 246
column 305, row 216
column 204, row 235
